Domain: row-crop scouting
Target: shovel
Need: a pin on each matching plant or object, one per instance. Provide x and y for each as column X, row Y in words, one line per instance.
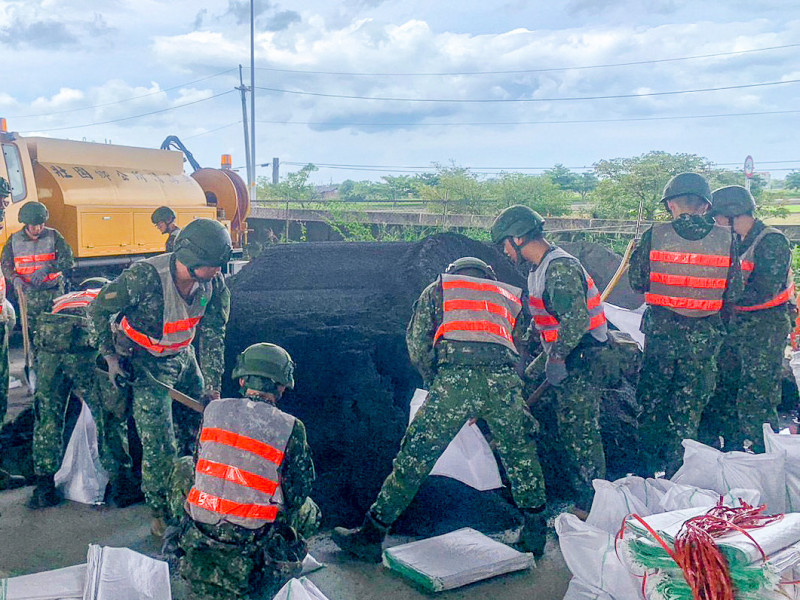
column 179, row 397
column 30, row 374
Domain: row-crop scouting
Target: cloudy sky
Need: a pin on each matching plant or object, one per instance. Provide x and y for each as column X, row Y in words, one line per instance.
column 365, row 88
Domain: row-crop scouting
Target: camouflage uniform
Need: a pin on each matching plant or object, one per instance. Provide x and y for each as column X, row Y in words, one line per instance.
column 40, row 298
column 570, row 412
column 749, row 384
column 679, row 367
column 228, row 561
column 137, row 295
column 465, row 380
column 66, row 366
column 173, row 236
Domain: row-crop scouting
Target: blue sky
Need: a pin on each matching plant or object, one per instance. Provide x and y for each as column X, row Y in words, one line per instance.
column 375, row 87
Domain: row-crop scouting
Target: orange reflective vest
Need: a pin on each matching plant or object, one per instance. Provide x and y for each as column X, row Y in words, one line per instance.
column 749, row 265
column 547, row 324
column 237, row 475
column 80, row 299
column 180, row 318
column 478, row 310
column 689, row 277
column 2, row 293
column 32, row 255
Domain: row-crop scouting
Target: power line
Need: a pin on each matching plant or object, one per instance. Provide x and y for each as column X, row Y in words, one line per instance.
column 169, row 89
column 506, row 100
column 545, row 70
column 154, row 112
column 550, row 122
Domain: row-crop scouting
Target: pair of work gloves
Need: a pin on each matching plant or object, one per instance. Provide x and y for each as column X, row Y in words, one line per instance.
column 36, row 279
column 554, row 367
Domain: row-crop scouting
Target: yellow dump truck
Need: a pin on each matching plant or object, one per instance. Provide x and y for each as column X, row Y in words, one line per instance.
column 101, row 196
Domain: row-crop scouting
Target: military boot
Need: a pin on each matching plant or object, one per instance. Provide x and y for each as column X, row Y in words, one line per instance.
column 533, row 536
column 45, row 493
column 10, row 481
column 365, row 541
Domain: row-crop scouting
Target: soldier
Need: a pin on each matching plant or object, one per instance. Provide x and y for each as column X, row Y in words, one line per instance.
column 569, row 321
column 146, row 320
column 67, row 355
column 461, row 340
column 164, row 219
column 749, row 386
column 686, row 269
column 34, row 260
column 7, row 480
column 246, row 519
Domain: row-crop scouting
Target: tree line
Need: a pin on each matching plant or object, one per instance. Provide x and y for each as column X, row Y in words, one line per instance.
column 613, row 189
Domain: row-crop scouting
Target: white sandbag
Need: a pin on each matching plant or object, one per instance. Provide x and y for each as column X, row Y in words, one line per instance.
column 468, row 458
column 81, row 477
column 299, row 589
column 122, row 574
column 454, row 559
column 311, row 564
column 591, row 558
column 615, row 500
column 722, row 472
column 675, row 496
column 627, row 321
column 60, row 584
column 578, row 589
column 790, row 444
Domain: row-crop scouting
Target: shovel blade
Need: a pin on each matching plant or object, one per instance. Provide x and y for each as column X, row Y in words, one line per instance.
column 30, row 379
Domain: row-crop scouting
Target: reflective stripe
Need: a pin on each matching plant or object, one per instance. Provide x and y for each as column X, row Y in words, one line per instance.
column 480, row 305
column 235, row 475
column 75, row 300
column 748, row 265
column 687, row 303
column 242, row 442
column 227, row 507
column 551, row 335
column 149, row 343
column 545, row 320
column 781, row 298
column 593, row 302
column 684, row 258
column 481, row 287
column 184, row 325
column 689, row 281
column 484, row 326
column 21, row 260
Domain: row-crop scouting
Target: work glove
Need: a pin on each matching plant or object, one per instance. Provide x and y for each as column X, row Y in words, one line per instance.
column 38, row 277
column 555, row 370
column 18, row 285
column 116, row 374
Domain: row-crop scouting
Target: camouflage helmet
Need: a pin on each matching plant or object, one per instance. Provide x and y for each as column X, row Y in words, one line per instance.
column 33, row 213
column 93, row 282
column 516, row 221
column 470, row 262
column 203, row 243
column 732, row 201
column 687, row 184
column 265, row 360
column 163, row 213
column 5, row 189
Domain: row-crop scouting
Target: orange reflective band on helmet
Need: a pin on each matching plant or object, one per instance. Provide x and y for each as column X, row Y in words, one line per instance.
column 146, row 341
column 485, row 326
column 748, row 265
column 227, row 507
column 686, row 258
column 242, row 442
column 687, row 303
column 239, row 476
column 184, row 325
column 781, row 298
column 481, row 287
column 689, row 281
column 480, row 305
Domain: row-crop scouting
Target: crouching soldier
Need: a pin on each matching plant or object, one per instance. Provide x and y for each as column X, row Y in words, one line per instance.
column 461, row 340
column 67, row 354
column 248, row 514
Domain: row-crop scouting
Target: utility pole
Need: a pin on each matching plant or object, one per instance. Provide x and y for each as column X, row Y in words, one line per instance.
column 275, row 170
column 243, row 89
column 252, row 100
